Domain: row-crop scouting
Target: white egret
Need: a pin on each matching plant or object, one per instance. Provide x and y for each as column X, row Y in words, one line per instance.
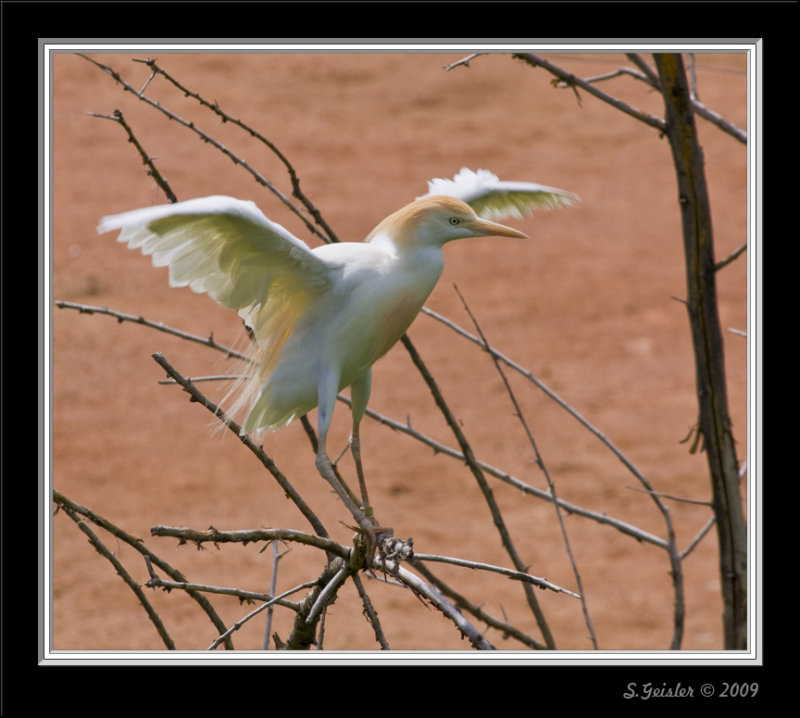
column 320, row 318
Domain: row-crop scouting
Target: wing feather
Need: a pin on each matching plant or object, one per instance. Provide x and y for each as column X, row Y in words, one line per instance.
column 493, row 199
column 227, row 248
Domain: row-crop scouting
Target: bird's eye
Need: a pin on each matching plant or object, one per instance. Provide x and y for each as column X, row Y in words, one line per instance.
column 455, row 220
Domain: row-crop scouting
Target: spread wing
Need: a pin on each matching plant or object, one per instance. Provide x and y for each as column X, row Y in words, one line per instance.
column 227, row 248
column 493, row 199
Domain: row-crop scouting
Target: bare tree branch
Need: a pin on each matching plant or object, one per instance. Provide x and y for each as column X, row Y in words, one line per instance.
column 543, row 467
column 215, row 143
column 225, row 117
column 63, row 501
column 497, row 517
column 714, row 421
column 121, row 317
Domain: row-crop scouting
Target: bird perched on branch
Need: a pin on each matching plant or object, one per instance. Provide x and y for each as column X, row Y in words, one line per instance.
column 321, row 317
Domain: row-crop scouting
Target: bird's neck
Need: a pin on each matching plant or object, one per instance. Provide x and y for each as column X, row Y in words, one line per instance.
column 416, row 265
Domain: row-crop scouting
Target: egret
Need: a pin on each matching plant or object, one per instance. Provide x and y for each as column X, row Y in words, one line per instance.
column 320, row 318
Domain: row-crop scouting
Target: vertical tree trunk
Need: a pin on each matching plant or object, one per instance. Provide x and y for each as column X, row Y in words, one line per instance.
column 714, row 420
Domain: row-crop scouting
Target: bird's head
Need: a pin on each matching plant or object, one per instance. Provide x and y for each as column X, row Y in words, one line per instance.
column 435, row 220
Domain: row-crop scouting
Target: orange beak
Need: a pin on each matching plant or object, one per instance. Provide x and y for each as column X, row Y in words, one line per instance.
column 483, row 227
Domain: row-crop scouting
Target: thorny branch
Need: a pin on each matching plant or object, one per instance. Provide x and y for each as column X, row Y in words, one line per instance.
column 225, row 117
column 74, row 509
column 645, row 74
column 215, row 143
column 540, row 463
column 147, row 160
column 328, row 587
column 404, row 428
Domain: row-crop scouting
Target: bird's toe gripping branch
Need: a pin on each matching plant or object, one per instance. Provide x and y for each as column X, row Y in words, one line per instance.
column 371, row 537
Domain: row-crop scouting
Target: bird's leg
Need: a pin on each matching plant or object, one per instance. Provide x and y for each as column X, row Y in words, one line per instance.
column 325, row 468
column 366, row 522
column 355, row 448
column 370, row 533
column 359, row 396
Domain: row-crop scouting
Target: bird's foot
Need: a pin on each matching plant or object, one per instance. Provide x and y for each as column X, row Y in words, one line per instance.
column 394, row 550
column 369, row 540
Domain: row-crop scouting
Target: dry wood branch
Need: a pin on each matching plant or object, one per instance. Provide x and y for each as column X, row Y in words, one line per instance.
column 121, row 317
column 439, row 448
column 515, row 575
column 540, row 462
column 370, row 613
column 268, row 463
column 244, row 537
column 147, row 160
column 731, row 257
column 244, row 596
column 264, row 606
column 71, row 506
column 571, row 80
column 100, row 547
column 213, row 142
column 438, row 601
column 507, row 629
column 714, row 421
column 641, row 63
column 645, row 74
column 499, row 356
column 486, row 490
column 255, row 134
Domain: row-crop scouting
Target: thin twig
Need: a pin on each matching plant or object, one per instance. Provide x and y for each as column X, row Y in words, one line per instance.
column 248, row 596
column 540, row 462
column 246, row 536
column 273, row 586
column 730, row 258
column 439, row 448
column 328, row 592
column 679, row 499
column 370, row 612
column 147, row 160
column 477, row 472
column 619, row 72
column 464, row 62
column 571, row 80
column 236, row 626
column 122, row 572
column 710, row 523
column 210, row 140
column 206, row 377
column 649, row 72
column 225, row 117
column 121, row 317
column 507, row 629
column 436, row 599
column 716, row 119
column 516, row 575
column 139, row 546
column 268, row 463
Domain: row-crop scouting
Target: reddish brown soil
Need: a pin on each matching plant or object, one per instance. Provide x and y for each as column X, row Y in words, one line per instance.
column 590, row 305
